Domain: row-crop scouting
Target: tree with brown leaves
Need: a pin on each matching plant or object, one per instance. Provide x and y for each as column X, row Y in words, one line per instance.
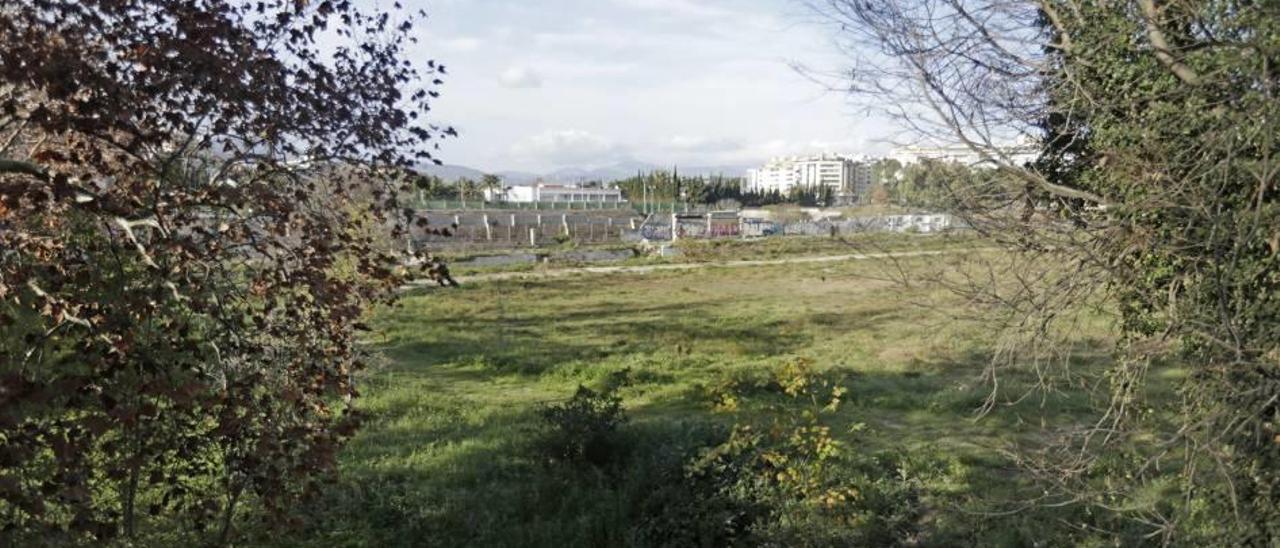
column 191, row 197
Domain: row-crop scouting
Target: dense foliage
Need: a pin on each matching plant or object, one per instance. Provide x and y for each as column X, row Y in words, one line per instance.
column 934, row 184
column 194, row 203
column 426, row 187
column 1184, row 150
column 1155, row 198
column 584, row 428
column 779, row 477
column 663, row 187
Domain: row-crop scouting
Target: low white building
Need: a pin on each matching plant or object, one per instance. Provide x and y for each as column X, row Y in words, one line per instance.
column 963, row 154
column 842, row 174
column 549, row 193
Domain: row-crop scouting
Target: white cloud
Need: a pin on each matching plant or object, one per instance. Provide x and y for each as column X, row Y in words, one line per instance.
column 687, row 82
column 782, row 147
column 461, row 44
column 683, row 143
column 693, row 8
column 569, row 146
column 520, row 77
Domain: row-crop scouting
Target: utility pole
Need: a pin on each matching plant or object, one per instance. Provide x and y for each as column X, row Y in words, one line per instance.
column 644, row 191
column 675, row 187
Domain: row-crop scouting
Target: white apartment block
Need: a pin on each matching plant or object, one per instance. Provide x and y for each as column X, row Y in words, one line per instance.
column 963, row 154
column 548, row 193
column 840, row 173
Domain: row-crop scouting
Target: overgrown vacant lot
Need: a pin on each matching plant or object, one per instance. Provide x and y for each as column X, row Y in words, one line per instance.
column 455, row 450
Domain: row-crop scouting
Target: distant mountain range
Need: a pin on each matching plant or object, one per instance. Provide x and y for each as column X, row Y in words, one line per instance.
column 614, row 172
column 451, row 173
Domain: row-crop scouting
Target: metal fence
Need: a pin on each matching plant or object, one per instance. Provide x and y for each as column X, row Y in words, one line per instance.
column 484, row 230
column 710, row 225
column 478, row 205
column 515, row 229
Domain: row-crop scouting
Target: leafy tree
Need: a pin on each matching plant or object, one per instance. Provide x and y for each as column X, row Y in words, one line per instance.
column 879, row 195
column 490, row 183
column 661, row 187
column 465, row 189
column 193, row 196
column 1154, row 197
column 885, row 170
column 432, row 187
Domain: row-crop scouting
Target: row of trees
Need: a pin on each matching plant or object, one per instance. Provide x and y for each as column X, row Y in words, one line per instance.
column 432, row 187
column 927, row 185
column 662, row 187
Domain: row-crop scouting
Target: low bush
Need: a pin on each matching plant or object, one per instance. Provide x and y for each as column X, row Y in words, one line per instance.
column 781, row 478
column 777, row 477
column 584, row 428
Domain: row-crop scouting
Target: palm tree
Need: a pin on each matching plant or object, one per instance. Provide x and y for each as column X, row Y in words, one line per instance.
column 491, row 184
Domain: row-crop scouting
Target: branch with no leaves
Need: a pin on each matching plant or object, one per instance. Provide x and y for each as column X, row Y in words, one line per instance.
column 1161, row 45
column 20, row 167
column 127, row 226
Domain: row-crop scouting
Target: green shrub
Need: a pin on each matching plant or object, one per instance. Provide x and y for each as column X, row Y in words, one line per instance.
column 683, row 507
column 782, row 479
column 584, row 428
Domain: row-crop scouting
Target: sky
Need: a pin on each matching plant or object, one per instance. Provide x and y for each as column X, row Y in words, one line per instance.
column 536, row 85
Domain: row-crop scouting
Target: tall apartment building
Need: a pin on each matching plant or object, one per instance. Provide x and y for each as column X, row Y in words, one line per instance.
column 842, row 174
column 862, row 179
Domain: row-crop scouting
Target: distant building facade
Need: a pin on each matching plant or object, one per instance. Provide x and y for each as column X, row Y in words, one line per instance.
column 961, row 154
column 551, row 193
column 842, row 174
column 863, row 179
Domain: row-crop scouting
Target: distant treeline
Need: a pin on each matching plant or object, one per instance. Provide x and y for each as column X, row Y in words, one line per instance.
column 926, row 184
column 662, row 186
column 432, row 187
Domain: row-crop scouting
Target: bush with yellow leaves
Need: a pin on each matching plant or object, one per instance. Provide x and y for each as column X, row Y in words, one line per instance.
column 807, row 487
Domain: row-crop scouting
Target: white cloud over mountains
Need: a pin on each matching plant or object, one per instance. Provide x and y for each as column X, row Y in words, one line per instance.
column 569, row 147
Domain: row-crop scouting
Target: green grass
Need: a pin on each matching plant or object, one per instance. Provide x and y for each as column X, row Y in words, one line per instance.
column 449, row 457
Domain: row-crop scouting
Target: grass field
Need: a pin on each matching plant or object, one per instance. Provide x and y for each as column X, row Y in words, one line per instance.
column 451, row 454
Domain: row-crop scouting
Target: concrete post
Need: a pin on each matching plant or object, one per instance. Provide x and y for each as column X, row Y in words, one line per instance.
column 533, row 237
column 488, row 229
column 675, row 227
column 708, row 224
column 564, row 222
